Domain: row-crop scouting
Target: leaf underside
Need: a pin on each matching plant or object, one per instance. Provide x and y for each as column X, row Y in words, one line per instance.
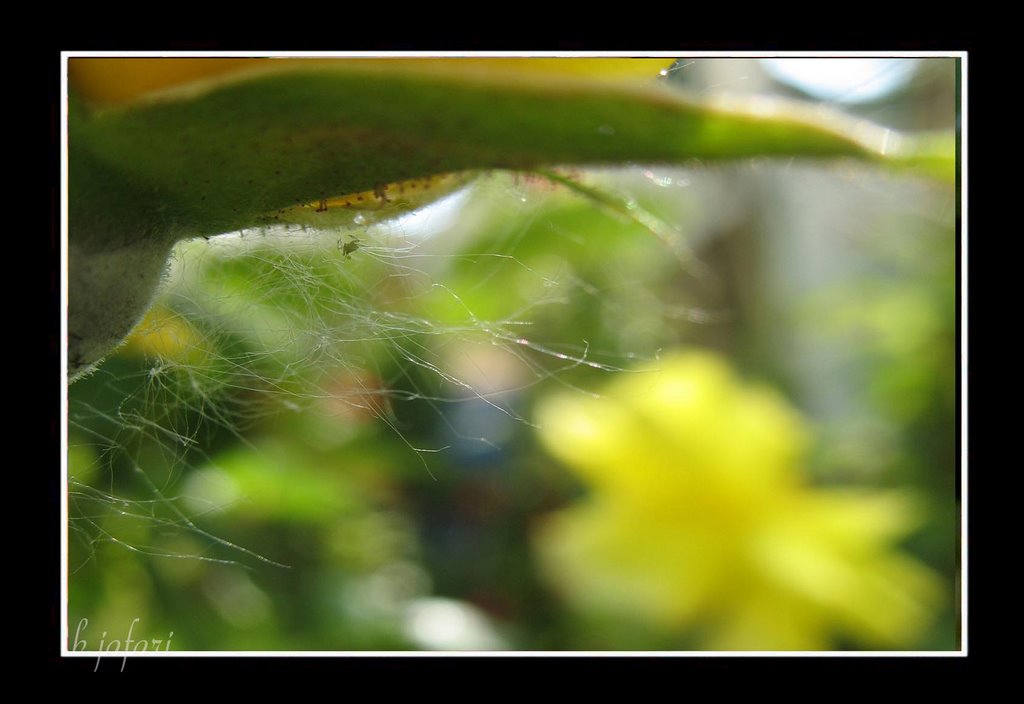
column 231, row 156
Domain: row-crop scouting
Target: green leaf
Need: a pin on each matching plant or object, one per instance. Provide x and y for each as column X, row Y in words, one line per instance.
column 238, row 152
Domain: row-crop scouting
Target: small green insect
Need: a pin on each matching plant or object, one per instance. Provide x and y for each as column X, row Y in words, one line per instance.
column 347, row 248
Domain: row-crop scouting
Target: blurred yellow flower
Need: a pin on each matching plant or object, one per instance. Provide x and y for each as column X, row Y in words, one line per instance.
column 166, row 335
column 700, row 517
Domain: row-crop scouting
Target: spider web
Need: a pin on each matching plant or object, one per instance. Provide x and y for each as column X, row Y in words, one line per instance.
column 460, row 309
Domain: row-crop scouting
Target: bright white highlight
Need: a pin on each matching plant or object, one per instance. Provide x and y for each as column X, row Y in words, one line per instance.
column 843, row 80
column 445, row 624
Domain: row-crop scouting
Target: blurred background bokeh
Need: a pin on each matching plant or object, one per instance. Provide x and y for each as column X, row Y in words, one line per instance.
column 421, row 434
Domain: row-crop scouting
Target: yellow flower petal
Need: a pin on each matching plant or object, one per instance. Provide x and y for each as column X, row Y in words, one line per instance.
column 700, row 517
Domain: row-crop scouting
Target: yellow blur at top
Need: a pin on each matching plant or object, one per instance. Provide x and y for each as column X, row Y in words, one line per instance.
column 117, row 81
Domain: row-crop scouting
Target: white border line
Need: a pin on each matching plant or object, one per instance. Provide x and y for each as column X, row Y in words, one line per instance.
column 521, row 54
column 962, row 55
column 118, row 654
column 64, row 349
column 963, row 354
